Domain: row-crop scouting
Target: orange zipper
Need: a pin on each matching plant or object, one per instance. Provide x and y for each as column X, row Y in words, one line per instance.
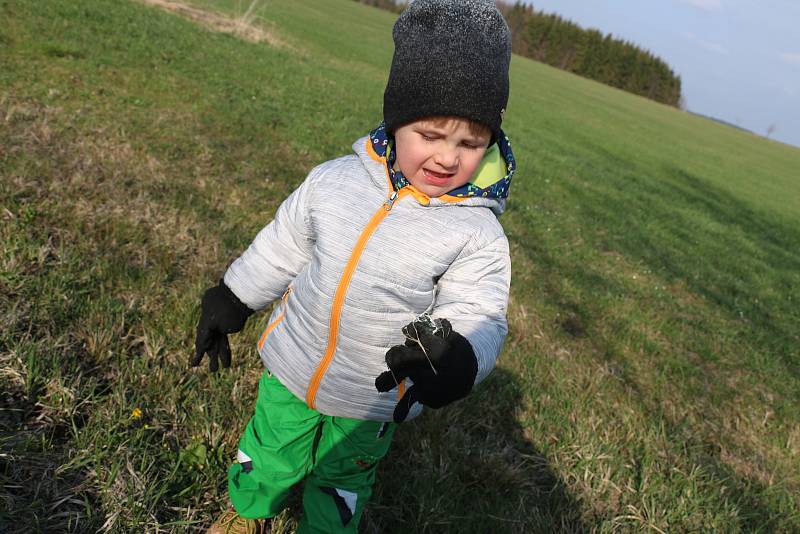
column 277, row 320
column 341, row 291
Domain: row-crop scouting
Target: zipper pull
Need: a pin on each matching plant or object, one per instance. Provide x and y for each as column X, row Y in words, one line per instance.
column 390, row 201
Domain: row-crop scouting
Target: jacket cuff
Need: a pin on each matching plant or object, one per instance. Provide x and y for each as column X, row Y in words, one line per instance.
column 231, row 296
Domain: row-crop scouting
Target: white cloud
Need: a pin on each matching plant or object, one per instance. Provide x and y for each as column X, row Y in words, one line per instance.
column 708, row 45
column 708, row 5
column 714, row 47
column 791, row 58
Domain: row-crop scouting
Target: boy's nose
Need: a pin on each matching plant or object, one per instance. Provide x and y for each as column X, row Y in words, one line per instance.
column 447, row 158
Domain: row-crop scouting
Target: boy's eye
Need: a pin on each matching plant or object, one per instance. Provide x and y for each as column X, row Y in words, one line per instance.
column 470, row 146
column 427, row 137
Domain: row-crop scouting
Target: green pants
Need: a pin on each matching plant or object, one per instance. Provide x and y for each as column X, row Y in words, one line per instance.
column 286, row 442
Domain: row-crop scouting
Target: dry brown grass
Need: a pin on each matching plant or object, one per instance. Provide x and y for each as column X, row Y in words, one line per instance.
column 243, row 27
column 100, row 181
column 94, row 201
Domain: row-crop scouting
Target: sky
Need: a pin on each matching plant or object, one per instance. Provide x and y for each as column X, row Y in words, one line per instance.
column 739, row 60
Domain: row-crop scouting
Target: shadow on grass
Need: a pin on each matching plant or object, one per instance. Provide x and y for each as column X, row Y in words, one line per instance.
column 39, row 491
column 744, row 260
column 468, row 468
column 727, row 488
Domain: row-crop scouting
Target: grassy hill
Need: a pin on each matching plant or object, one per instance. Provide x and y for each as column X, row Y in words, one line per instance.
column 651, row 378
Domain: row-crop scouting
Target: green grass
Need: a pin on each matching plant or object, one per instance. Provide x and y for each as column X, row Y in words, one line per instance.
column 651, row 378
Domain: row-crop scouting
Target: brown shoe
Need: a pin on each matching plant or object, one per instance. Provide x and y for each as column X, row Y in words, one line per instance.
column 232, row 523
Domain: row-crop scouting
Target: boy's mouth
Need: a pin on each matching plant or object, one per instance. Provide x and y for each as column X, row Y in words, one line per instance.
column 437, row 178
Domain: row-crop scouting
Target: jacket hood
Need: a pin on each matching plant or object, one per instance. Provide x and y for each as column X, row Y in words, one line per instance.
column 489, row 186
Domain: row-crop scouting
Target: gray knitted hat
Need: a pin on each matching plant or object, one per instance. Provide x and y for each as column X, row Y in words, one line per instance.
column 451, row 57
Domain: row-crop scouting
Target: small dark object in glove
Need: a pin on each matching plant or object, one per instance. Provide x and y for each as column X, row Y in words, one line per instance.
column 222, row 313
column 441, row 363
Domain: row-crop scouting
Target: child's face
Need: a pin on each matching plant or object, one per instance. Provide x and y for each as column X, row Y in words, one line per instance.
column 437, row 156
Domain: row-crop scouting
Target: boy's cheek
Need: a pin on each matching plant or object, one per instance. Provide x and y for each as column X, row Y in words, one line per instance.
column 473, row 165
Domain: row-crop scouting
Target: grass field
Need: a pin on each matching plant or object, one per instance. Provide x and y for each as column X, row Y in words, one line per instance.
column 651, row 378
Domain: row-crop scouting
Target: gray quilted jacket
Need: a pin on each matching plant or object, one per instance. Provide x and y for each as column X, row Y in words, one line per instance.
column 354, row 261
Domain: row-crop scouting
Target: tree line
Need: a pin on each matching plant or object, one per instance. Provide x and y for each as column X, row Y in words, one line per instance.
column 589, row 53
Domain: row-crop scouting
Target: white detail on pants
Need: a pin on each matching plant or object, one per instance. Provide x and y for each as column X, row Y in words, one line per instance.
column 381, row 430
column 350, row 499
column 242, row 457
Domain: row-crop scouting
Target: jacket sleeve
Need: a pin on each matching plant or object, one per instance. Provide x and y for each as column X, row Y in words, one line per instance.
column 473, row 295
column 278, row 253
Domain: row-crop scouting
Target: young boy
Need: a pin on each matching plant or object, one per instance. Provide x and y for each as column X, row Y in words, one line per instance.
column 396, row 247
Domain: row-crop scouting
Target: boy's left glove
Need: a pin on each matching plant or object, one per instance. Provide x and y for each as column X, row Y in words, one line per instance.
column 441, row 363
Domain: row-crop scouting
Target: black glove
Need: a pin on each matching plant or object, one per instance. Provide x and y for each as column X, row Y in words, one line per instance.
column 441, row 363
column 222, row 314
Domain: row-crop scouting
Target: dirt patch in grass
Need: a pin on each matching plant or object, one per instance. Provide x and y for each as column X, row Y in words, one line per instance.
column 241, row 27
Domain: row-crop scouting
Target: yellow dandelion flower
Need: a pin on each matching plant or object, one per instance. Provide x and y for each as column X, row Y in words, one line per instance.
column 136, row 413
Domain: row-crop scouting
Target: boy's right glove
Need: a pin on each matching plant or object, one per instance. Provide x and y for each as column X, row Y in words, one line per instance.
column 222, row 313
column 440, row 361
